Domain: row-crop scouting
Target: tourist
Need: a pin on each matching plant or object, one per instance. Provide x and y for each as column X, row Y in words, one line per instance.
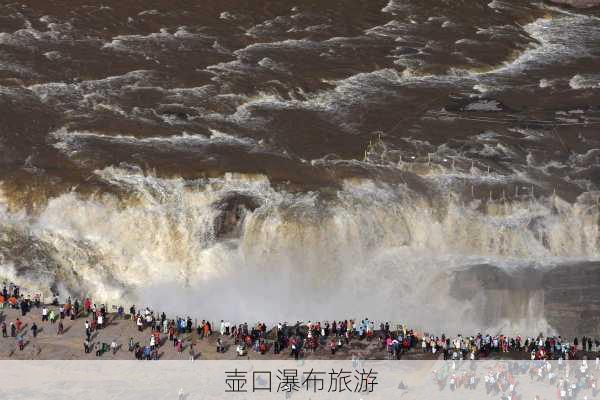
column 131, row 344
column 192, row 355
column 241, row 350
column 87, row 305
column 20, row 342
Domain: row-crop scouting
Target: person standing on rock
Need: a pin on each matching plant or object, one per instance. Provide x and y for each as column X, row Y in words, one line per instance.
column 192, row 354
column 75, row 312
column 88, row 331
column 24, row 308
column 87, row 305
column 20, row 342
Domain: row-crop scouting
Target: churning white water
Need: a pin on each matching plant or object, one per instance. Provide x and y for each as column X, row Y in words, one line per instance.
column 367, row 250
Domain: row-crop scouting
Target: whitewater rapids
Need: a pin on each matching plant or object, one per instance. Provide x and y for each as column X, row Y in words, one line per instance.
column 431, row 162
column 367, row 250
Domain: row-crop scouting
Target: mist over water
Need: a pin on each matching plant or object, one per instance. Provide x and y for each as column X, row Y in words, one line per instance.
column 372, row 250
column 296, row 161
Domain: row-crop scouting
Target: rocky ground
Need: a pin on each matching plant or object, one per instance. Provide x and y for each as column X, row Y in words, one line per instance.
column 69, row 346
column 50, row 346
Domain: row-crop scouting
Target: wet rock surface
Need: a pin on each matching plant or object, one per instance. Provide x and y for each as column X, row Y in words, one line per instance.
column 568, row 296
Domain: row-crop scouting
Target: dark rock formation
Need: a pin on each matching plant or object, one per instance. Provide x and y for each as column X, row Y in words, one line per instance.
column 233, row 209
column 568, row 296
column 572, row 298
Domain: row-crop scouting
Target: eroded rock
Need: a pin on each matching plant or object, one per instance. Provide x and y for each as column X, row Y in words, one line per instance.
column 567, row 296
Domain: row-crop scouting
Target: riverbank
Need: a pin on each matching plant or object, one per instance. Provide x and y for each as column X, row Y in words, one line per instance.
column 48, row 345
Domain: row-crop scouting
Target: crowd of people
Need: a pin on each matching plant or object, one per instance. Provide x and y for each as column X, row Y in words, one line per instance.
column 155, row 330
column 298, row 339
column 538, row 348
column 509, row 380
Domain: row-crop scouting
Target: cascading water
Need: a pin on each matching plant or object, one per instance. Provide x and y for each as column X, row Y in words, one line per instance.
column 367, row 249
column 435, row 163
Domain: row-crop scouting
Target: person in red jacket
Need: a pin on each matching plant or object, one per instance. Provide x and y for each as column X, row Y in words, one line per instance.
column 87, row 305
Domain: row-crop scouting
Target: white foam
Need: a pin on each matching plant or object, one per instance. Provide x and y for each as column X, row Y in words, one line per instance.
column 484, row 105
column 588, row 81
column 379, row 240
column 144, row 44
column 557, row 38
column 69, row 140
